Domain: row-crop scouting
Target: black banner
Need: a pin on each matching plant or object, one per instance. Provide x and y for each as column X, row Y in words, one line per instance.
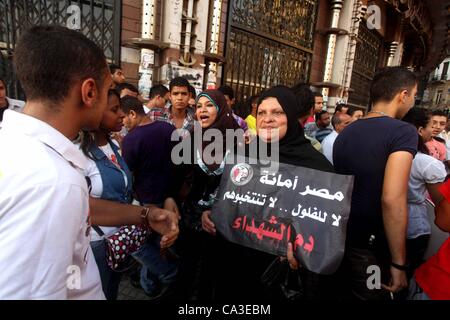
column 264, row 210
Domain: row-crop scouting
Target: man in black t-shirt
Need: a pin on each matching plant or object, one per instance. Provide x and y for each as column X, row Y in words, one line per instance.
column 378, row 150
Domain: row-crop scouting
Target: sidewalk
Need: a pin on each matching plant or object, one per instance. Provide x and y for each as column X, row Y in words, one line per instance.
column 128, row 292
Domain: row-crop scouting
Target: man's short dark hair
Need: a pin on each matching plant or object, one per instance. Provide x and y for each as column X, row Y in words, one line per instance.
column 340, row 106
column 126, row 85
column 244, row 109
column 158, row 90
column 130, row 103
column 305, row 99
column 351, row 110
column 3, row 81
column 390, row 81
column 253, row 99
column 113, row 68
column 439, row 113
column 317, row 94
column 179, row 82
column 113, row 92
column 192, row 92
column 227, row 90
column 319, row 114
column 48, row 61
column 419, row 117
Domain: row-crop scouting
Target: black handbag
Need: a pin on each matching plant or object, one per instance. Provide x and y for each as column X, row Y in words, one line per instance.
column 191, row 218
column 287, row 283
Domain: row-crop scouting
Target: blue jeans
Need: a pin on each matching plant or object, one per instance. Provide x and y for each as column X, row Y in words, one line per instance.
column 110, row 279
column 156, row 269
column 416, row 292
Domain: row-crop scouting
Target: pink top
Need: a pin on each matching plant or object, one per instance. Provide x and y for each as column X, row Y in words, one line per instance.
column 437, row 149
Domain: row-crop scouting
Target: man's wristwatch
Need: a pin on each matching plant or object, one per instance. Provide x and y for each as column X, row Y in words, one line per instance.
column 144, row 217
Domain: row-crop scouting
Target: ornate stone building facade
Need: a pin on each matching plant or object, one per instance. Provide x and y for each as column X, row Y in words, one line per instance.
column 437, row 94
column 336, row 45
column 362, row 36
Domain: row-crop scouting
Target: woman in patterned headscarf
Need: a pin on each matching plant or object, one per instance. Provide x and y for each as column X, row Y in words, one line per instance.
column 197, row 246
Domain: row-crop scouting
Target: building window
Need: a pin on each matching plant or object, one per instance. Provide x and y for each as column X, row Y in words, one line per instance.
column 438, row 97
column 445, row 71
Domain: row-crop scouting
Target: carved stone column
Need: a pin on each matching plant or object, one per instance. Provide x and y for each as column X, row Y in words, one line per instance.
column 336, row 7
column 211, row 81
column 146, row 66
column 392, row 50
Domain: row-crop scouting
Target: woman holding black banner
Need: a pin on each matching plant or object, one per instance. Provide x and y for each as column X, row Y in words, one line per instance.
column 277, row 120
column 243, row 273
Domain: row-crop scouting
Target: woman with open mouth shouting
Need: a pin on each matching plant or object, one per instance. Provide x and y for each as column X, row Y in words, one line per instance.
column 198, row 241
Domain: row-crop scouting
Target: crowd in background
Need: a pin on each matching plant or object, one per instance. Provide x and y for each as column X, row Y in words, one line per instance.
column 87, row 179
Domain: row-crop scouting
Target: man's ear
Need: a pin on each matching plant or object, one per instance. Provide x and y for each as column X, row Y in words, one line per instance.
column 133, row 114
column 89, row 92
column 403, row 95
column 420, row 131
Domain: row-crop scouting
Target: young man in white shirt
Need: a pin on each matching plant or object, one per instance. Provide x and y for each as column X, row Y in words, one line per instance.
column 44, row 198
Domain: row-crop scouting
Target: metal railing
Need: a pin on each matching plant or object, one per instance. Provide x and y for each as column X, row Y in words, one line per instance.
column 268, row 43
column 100, row 21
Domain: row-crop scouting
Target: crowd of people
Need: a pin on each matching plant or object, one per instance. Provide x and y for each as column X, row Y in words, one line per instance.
column 87, row 182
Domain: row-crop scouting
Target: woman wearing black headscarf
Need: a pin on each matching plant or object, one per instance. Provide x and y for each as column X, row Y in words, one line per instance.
column 242, row 268
column 277, row 109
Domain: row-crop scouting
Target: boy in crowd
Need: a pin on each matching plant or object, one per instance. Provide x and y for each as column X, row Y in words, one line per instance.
column 159, row 96
column 178, row 113
column 116, row 74
column 147, row 151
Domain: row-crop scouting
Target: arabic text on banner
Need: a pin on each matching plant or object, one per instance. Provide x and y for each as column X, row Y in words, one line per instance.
column 264, row 210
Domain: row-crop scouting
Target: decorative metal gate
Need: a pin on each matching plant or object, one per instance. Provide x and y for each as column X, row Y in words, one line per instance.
column 367, row 55
column 99, row 20
column 269, row 42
